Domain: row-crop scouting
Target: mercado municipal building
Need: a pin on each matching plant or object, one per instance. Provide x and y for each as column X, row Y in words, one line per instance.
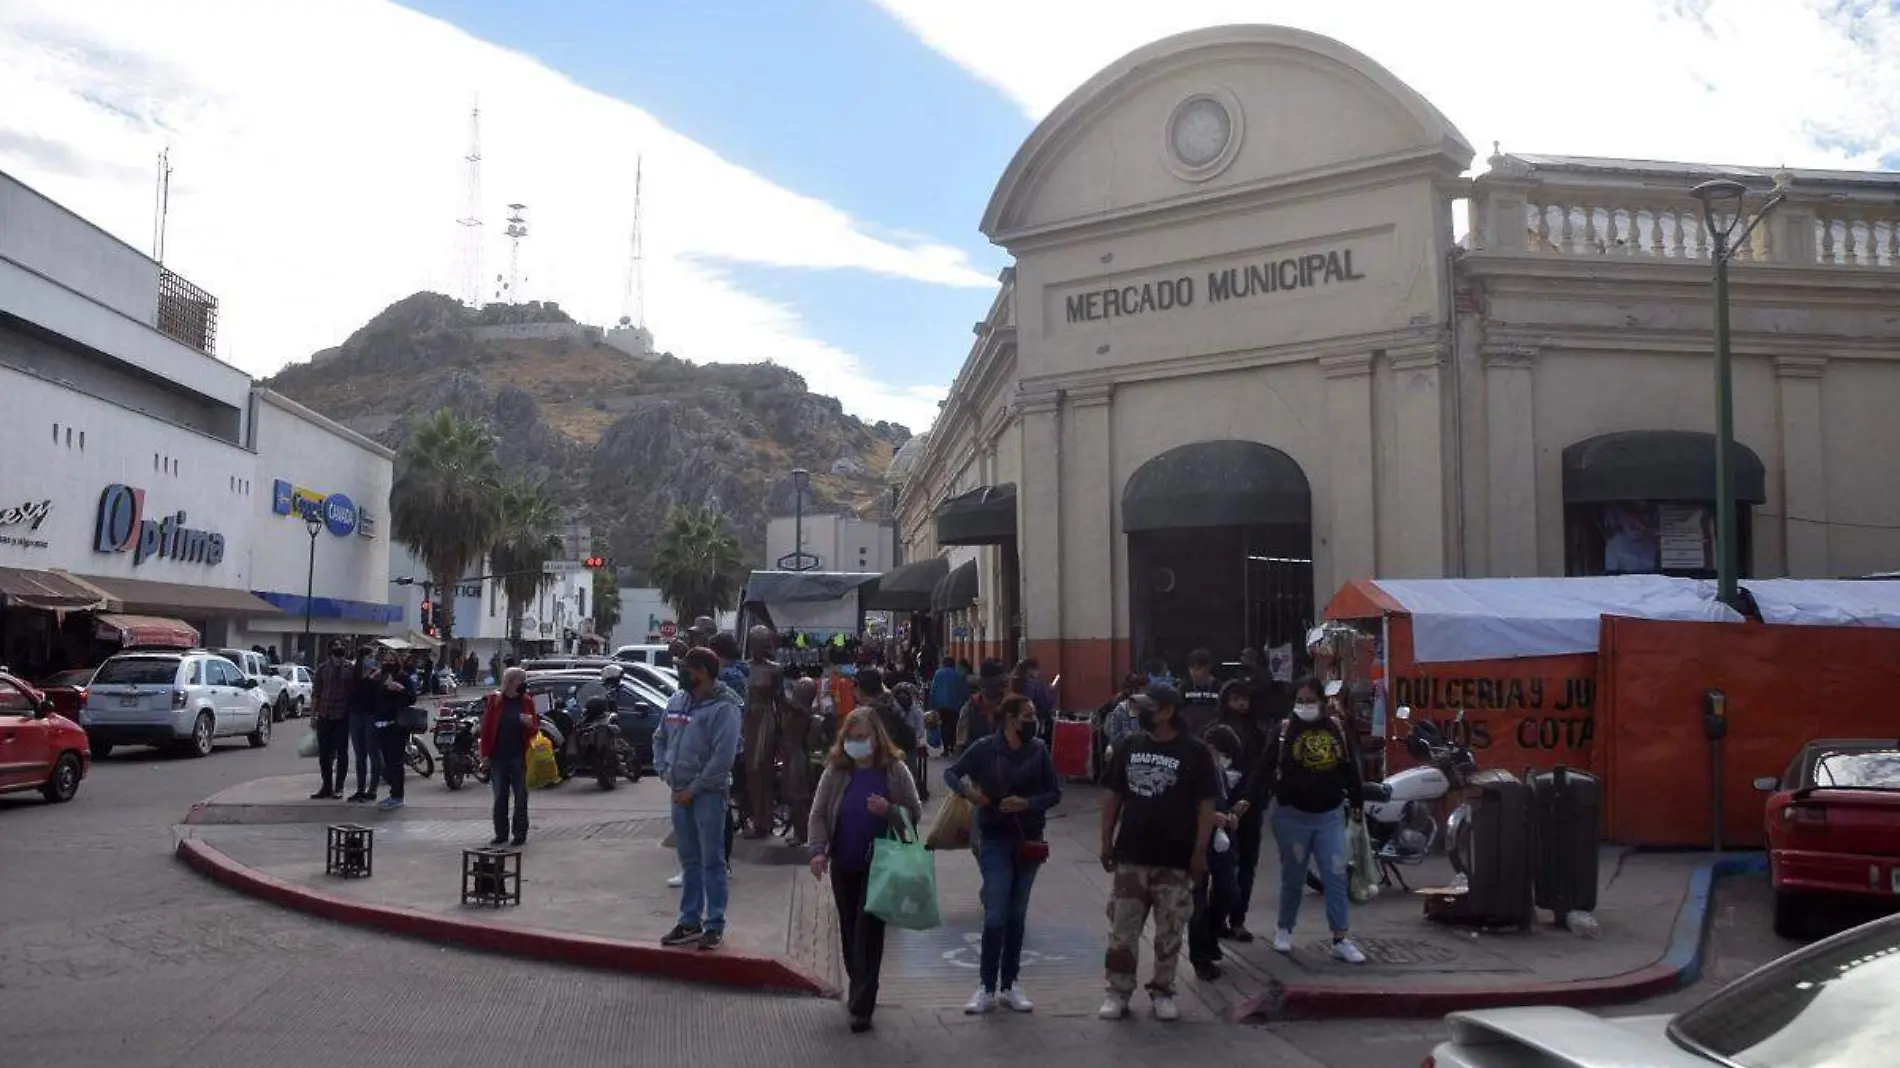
column 1241, row 359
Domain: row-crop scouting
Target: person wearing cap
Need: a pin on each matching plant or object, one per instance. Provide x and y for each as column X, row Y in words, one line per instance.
column 978, row 716
column 330, row 687
column 1157, row 823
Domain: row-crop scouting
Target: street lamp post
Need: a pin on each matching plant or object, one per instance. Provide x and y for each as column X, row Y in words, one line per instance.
column 1722, row 211
column 313, row 523
column 800, row 478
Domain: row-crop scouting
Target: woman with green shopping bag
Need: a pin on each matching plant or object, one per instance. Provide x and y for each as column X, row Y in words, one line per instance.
column 865, row 795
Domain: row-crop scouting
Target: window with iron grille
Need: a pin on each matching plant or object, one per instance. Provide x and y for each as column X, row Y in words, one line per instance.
column 187, row 313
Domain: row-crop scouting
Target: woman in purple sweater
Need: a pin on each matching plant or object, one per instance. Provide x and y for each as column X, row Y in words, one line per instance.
column 861, row 797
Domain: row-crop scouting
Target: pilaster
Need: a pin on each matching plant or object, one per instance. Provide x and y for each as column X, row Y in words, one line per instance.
column 1803, row 481
column 1353, row 538
column 1511, row 459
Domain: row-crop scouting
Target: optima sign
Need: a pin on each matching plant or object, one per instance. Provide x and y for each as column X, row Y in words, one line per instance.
column 122, row 527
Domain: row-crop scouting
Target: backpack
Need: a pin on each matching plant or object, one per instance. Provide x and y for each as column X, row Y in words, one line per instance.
column 897, row 727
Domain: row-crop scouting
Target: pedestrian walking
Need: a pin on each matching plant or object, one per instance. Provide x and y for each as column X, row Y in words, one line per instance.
column 1156, row 825
column 1310, row 774
column 979, row 714
column 396, row 691
column 1239, row 714
column 365, row 702
column 862, row 796
column 1214, row 892
column 1009, row 778
column 949, row 691
column 330, row 688
column 694, row 750
column 904, row 697
column 509, row 724
column 1200, row 694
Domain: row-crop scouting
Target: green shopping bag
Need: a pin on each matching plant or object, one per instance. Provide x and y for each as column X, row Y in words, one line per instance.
column 902, row 889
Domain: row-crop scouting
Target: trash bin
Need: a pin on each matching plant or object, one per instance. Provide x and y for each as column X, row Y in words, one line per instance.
column 1565, row 810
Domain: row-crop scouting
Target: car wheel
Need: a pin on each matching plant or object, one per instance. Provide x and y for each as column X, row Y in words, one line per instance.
column 65, row 780
column 280, row 708
column 260, row 737
column 201, row 736
column 1791, row 915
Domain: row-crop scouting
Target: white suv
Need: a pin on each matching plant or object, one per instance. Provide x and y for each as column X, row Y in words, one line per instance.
column 274, row 688
column 162, row 698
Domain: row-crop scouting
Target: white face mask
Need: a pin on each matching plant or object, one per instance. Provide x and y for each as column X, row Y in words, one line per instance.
column 857, row 748
column 1223, row 761
column 1307, row 713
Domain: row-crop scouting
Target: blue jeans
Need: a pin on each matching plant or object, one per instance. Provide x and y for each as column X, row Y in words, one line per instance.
column 369, row 753
column 1006, row 887
column 1321, row 836
column 699, row 836
column 508, row 778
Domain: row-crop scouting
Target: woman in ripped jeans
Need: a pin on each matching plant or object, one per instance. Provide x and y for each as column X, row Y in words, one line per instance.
column 1310, row 772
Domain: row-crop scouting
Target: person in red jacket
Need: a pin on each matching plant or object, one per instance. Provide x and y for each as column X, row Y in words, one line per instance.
column 509, row 724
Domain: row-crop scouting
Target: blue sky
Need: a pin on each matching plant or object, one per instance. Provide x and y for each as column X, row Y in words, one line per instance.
column 814, row 169
column 832, row 98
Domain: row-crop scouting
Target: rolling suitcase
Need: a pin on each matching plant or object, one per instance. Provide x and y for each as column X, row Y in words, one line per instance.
column 1498, row 840
column 1564, row 813
column 1070, row 748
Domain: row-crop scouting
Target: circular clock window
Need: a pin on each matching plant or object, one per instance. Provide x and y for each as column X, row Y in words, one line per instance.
column 1203, row 134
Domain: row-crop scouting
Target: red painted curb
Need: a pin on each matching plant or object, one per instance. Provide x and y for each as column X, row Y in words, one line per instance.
column 1282, row 1002
column 722, row 967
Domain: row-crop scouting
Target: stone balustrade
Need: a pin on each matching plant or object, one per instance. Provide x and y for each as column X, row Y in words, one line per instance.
column 1644, row 219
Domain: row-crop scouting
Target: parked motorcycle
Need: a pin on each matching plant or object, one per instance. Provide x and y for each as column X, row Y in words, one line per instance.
column 599, row 749
column 455, row 736
column 418, row 757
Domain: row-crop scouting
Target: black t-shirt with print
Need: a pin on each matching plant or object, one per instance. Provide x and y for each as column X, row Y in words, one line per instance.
column 1309, row 766
column 1161, row 786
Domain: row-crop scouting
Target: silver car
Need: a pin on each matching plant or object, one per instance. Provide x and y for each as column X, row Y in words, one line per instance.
column 189, row 699
column 1834, row 1004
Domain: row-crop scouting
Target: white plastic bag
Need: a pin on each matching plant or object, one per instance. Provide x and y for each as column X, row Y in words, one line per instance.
column 308, row 747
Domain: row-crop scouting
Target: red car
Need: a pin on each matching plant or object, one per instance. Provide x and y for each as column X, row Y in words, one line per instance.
column 1834, row 826
column 67, row 690
column 39, row 748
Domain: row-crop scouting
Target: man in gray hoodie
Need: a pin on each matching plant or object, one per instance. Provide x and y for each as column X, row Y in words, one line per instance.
column 693, row 752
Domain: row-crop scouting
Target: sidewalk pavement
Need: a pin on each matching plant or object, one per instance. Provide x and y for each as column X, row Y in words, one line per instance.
column 594, row 893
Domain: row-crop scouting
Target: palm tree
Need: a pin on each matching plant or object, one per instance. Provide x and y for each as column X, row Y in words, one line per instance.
column 442, row 503
column 697, row 563
column 525, row 541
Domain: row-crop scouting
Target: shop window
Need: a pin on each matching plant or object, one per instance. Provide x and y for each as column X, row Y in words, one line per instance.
column 1674, row 538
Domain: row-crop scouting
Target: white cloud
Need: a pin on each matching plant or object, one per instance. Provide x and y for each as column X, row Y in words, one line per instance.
column 1766, row 82
column 317, row 150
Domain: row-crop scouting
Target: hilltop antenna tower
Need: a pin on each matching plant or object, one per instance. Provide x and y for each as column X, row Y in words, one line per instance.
column 162, row 204
column 468, row 264
column 517, row 229
column 633, row 306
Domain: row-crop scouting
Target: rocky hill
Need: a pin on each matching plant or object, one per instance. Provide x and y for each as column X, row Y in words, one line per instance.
column 617, row 440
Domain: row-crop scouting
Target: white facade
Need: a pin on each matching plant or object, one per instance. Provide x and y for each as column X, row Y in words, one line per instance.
column 136, row 469
column 1240, row 360
column 836, row 542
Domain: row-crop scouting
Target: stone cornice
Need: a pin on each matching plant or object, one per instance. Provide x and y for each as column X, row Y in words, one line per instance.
column 1508, row 354
column 1036, row 401
column 1093, row 396
column 1420, row 355
column 1346, row 365
column 1756, row 279
column 1235, row 359
column 1800, row 366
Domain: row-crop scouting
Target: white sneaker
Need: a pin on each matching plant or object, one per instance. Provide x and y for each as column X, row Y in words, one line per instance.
column 1114, row 1007
column 676, row 880
column 1015, row 1000
column 1348, row 950
column 1282, row 940
column 981, row 1003
column 1165, row 1009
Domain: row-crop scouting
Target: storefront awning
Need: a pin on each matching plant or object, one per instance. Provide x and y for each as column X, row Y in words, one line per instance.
column 423, row 641
column 52, row 591
column 176, row 598
column 149, row 632
column 786, row 587
column 957, row 591
column 908, row 588
column 1657, row 465
column 985, row 515
column 1216, row 484
column 397, row 644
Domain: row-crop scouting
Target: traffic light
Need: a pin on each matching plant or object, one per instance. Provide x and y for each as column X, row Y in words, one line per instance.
column 595, row 563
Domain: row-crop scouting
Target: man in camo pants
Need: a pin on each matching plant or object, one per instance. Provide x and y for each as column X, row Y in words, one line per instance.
column 1156, row 826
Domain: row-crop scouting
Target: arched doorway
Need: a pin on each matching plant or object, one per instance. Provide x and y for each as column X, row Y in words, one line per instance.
column 1220, row 551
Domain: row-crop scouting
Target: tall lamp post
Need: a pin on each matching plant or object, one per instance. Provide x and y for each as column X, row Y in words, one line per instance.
column 1722, row 212
column 313, row 523
column 800, row 479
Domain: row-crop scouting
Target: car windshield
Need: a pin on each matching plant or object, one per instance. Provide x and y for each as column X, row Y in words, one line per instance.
column 1830, row 1005
column 1857, row 769
column 76, row 677
column 137, row 670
